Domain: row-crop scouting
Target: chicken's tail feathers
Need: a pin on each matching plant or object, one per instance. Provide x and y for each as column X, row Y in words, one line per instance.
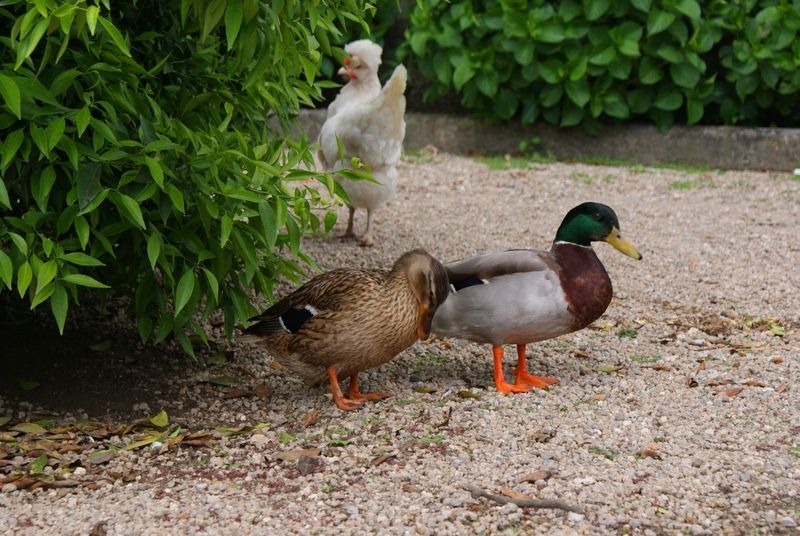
column 395, row 87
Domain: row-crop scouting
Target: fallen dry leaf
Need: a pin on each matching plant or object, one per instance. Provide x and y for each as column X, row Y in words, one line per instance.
column 782, row 387
column 755, row 383
column 658, row 366
column 691, row 382
column 600, row 396
column 508, row 492
column 581, row 353
column 541, row 474
column 446, row 419
column 650, row 451
column 777, row 360
column 383, row 458
column 720, row 381
column 468, row 394
column 733, row 391
column 310, row 418
column 425, row 389
column 294, row 455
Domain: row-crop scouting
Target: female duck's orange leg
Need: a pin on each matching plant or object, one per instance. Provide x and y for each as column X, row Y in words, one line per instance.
column 524, row 378
column 338, row 398
column 355, row 394
column 499, row 377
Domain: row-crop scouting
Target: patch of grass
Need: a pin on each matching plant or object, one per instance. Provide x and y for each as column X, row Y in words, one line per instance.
column 403, row 402
column 431, row 439
column 645, row 358
column 795, row 451
column 609, row 178
column 602, row 451
column 585, row 178
column 627, row 333
column 692, row 184
column 339, row 442
column 285, row 438
column 659, row 439
column 327, row 488
column 604, row 161
column 686, row 168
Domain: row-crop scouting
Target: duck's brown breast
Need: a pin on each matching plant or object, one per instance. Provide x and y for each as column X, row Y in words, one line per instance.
column 585, row 282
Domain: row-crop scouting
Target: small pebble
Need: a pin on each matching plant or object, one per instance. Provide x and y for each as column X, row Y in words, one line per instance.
column 574, row 517
column 8, row 488
column 79, row 471
column 788, row 522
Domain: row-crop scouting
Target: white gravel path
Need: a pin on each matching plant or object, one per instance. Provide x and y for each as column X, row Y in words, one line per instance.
column 648, row 430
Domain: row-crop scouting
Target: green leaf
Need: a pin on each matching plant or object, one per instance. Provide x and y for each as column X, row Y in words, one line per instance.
column 82, row 230
column 81, row 259
column 10, row 148
column 642, row 5
column 37, row 466
column 268, row 221
column 212, row 283
column 112, row 31
column 684, row 74
column 24, row 277
column 46, row 273
column 463, row 74
column 84, row 280
column 596, row 8
column 161, row 420
column 11, row 95
column 184, row 290
column 578, row 92
column 156, row 171
column 59, row 303
column 212, row 15
column 226, row 226
column 92, row 12
column 30, row 42
column 487, row 82
column 694, row 111
column 153, row 248
column 658, row 21
column 128, row 209
column 690, row 8
column 41, row 185
column 649, row 71
column 4, row 199
column 6, row 269
column 234, row 14
column 668, row 99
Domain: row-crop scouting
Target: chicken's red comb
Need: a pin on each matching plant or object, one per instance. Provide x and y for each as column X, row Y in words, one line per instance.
column 346, row 60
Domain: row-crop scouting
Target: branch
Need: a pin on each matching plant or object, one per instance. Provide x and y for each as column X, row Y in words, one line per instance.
column 523, row 503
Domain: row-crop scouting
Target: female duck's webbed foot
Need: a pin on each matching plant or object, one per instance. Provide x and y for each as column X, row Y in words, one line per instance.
column 523, row 377
column 499, row 377
column 355, row 394
column 345, row 404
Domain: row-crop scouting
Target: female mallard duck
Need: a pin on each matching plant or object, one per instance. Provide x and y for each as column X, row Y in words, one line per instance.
column 523, row 296
column 347, row 320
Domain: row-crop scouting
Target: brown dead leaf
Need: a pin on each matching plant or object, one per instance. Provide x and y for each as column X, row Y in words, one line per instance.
column 733, row 391
column 782, row 387
column 659, row 366
column 777, row 360
column 425, row 389
column 581, row 353
column 508, row 492
column 600, row 396
column 701, row 366
column 310, row 418
column 383, row 458
column 541, row 474
column 468, row 394
column 294, row 455
column 198, row 439
column 99, row 529
column 755, row 383
column 650, row 451
column 719, row 381
column 446, row 419
column 691, row 382
column 262, row 390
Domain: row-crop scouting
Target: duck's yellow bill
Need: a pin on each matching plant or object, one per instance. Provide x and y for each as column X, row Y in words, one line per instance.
column 615, row 239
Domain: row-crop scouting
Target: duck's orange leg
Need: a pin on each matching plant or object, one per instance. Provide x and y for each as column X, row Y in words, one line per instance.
column 525, row 378
column 499, row 377
column 355, row 394
column 338, row 398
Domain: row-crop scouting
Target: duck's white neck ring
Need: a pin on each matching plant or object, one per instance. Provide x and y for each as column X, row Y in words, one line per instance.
column 565, row 243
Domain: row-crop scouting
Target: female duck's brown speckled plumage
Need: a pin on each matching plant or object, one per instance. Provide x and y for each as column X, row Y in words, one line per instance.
column 348, row 320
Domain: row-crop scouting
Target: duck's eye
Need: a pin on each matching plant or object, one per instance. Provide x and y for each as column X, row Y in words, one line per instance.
column 596, row 215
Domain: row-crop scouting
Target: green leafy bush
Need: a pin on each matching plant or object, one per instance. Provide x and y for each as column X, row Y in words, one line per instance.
column 575, row 62
column 140, row 152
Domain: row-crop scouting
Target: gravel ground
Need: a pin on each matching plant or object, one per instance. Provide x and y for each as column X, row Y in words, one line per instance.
column 677, row 412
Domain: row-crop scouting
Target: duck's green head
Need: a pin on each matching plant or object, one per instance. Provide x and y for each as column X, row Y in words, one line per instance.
column 594, row 222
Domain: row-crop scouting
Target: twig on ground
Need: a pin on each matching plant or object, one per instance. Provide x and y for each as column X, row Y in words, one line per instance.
column 523, row 503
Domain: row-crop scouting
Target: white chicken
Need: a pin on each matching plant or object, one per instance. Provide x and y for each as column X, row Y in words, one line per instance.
column 369, row 122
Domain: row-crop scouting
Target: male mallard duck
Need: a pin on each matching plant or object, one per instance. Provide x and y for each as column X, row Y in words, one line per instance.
column 344, row 321
column 522, row 296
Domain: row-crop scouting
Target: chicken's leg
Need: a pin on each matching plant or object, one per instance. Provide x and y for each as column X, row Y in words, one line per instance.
column 349, row 232
column 366, row 240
